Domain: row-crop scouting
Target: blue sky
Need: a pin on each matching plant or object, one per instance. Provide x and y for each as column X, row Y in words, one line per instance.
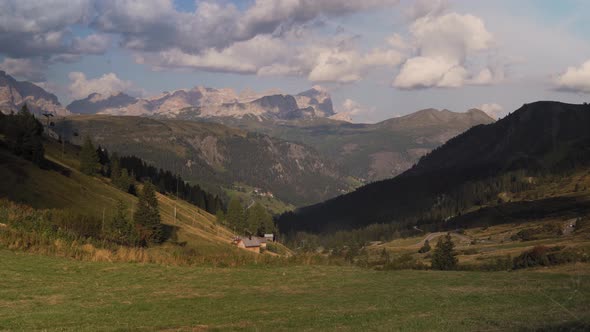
column 378, row 58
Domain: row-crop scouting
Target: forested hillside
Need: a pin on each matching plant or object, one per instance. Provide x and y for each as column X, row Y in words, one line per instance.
column 368, row 151
column 537, row 141
column 214, row 156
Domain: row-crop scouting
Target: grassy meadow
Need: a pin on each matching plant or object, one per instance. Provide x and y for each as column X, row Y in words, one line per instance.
column 49, row 293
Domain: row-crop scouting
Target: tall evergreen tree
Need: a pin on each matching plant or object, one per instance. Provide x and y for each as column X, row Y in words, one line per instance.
column 235, row 215
column 120, row 228
column 115, row 168
column 147, row 216
column 24, row 135
column 89, row 162
column 258, row 220
column 220, row 216
column 443, row 257
column 103, row 160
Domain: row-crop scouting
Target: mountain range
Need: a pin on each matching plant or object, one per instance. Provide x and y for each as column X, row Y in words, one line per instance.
column 367, row 151
column 473, row 169
column 327, row 156
column 205, row 102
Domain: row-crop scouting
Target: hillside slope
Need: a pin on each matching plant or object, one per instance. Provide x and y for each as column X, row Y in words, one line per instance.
column 538, row 140
column 63, row 187
column 214, row 155
column 368, row 151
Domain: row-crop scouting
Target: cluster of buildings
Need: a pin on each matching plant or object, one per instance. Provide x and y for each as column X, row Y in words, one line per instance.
column 262, row 193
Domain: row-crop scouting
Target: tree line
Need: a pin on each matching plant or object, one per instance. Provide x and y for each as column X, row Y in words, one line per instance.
column 252, row 220
column 125, row 171
column 22, row 134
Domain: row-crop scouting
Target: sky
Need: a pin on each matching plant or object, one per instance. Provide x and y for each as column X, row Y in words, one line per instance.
column 378, row 58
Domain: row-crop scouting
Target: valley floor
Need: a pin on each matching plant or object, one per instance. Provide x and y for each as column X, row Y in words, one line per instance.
column 49, row 293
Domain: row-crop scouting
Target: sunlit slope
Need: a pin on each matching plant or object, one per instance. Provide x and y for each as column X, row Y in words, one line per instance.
column 64, row 187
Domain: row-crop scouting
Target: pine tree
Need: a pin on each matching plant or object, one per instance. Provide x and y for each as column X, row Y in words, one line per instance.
column 220, row 216
column 147, row 216
column 23, row 134
column 443, row 257
column 115, row 168
column 120, row 229
column 124, row 181
column 103, row 160
column 253, row 217
column 235, row 215
column 258, row 220
column 89, row 164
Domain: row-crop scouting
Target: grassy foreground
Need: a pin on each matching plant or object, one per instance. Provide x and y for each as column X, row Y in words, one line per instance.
column 38, row 292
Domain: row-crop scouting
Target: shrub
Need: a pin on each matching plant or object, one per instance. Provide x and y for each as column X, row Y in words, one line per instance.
column 425, row 247
column 524, row 235
column 405, row 262
column 547, row 256
column 273, row 247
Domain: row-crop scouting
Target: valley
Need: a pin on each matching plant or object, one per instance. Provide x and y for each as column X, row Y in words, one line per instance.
column 294, row 165
column 216, row 156
column 370, row 152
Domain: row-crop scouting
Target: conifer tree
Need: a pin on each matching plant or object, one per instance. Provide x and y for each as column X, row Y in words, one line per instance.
column 124, row 181
column 235, row 215
column 23, row 134
column 147, row 216
column 443, row 257
column 89, row 162
column 121, row 229
column 115, row 168
column 220, row 216
column 258, row 220
column 103, row 160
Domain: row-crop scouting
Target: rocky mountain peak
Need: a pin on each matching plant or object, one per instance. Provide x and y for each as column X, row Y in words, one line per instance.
column 14, row 94
column 318, row 98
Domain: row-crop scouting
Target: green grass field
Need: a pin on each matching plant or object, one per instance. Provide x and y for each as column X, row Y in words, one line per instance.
column 48, row 293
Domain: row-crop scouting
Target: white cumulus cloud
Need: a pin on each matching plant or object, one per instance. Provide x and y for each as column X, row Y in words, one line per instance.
column 107, row 84
column 352, row 111
column 29, row 69
column 264, row 55
column 575, row 79
column 444, row 43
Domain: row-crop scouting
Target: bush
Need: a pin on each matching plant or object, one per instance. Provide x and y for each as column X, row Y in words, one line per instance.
column 469, row 251
column 425, row 247
column 273, row 247
column 498, row 263
column 524, row 235
column 547, row 256
column 75, row 223
column 405, row 262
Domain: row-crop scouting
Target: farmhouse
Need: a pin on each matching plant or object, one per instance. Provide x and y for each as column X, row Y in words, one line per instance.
column 252, row 243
